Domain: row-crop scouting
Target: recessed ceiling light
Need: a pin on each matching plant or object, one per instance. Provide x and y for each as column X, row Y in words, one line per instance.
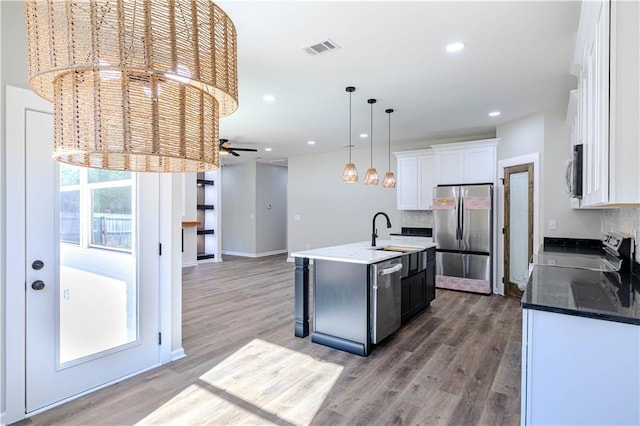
column 455, row 47
column 364, row 135
column 494, row 113
column 311, row 142
column 268, row 98
column 267, row 149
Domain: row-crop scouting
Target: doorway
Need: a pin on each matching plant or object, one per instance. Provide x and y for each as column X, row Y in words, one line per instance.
column 518, row 226
column 83, row 268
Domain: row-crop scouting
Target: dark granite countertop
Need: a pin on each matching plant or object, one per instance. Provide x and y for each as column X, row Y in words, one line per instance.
column 607, row 296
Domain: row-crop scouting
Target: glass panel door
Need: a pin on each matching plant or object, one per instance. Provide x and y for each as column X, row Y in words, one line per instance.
column 92, row 266
column 518, row 227
column 98, row 292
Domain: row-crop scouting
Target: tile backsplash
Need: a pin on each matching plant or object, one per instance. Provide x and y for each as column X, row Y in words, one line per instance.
column 417, row 218
column 622, row 221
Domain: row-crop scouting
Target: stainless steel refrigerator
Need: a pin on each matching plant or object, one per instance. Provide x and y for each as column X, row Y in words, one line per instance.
column 463, row 225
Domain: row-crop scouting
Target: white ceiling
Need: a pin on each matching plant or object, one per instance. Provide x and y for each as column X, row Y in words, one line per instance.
column 517, row 61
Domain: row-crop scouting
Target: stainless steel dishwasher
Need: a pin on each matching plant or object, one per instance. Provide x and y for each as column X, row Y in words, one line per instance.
column 385, row 298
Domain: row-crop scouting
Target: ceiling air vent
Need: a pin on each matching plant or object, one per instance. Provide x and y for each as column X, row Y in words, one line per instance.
column 323, row 46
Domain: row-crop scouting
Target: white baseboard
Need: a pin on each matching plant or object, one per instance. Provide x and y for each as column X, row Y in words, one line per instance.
column 177, row 354
column 187, row 264
column 254, row 255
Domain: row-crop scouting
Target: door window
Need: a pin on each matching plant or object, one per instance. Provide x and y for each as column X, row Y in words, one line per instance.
column 98, row 300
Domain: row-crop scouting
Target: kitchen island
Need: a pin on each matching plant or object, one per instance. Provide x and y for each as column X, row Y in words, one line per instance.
column 352, row 283
column 580, row 347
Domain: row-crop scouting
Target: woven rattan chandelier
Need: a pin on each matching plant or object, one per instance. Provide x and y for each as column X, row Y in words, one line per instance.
column 137, row 85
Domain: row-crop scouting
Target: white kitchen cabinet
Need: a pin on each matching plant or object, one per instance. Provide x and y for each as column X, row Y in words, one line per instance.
column 606, row 63
column 578, row 370
column 415, row 179
column 450, row 167
column 465, row 162
column 426, row 181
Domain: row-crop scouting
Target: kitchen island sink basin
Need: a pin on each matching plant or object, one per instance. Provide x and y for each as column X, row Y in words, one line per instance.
column 399, row 249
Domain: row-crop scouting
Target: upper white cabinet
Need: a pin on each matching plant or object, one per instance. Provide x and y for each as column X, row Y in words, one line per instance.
column 606, row 123
column 415, row 180
column 465, row 162
column 421, row 170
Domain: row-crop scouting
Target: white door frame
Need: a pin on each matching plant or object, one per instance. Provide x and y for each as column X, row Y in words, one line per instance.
column 508, row 162
column 14, row 278
column 2, row 243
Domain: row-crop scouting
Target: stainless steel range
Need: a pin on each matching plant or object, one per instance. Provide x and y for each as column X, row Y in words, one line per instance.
column 616, row 255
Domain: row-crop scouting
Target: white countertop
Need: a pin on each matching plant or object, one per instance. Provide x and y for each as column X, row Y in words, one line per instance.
column 360, row 252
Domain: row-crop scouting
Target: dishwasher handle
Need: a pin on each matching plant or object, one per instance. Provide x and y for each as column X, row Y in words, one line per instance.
column 391, row 270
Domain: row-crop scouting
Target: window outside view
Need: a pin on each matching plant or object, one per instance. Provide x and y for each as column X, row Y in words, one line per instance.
column 98, row 285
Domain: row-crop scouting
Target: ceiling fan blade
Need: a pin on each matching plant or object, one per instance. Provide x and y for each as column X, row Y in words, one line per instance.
column 232, row 152
column 246, row 149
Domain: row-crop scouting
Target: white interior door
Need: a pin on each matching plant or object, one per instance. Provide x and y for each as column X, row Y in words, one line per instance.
column 91, row 272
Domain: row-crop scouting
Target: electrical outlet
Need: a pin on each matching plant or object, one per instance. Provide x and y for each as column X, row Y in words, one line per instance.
column 553, row 224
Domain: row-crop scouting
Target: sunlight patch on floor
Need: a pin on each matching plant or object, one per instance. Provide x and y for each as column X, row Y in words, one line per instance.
column 261, row 383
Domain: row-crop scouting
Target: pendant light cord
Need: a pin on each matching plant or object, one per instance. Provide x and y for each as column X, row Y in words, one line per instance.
column 389, row 165
column 350, row 93
column 371, row 145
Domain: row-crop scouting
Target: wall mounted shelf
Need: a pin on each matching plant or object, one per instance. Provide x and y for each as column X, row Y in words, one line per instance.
column 206, row 196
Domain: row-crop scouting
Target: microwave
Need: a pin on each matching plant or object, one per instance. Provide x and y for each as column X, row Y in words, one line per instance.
column 575, row 175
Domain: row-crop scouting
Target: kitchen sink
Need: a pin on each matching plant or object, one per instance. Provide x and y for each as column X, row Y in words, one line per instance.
column 399, row 249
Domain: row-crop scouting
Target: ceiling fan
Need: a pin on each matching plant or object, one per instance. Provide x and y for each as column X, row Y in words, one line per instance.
column 226, row 149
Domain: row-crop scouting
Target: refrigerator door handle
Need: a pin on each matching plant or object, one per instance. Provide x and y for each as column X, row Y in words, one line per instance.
column 458, row 230
column 461, row 216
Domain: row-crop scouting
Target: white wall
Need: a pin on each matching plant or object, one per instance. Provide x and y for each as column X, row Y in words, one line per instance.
column 14, row 41
column 548, row 134
column 239, row 209
column 521, row 138
column 323, row 211
column 189, row 255
column 271, row 208
column 571, row 223
column 249, row 227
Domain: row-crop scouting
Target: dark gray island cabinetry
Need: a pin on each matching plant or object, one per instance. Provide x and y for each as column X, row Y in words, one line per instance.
column 418, row 284
column 362, row 294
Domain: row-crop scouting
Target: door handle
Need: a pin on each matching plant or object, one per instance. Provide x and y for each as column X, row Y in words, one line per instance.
column 461, row 217
column 37, row 285
column 390, row 270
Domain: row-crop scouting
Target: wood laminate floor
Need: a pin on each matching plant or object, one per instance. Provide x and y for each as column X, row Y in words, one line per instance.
column 456, row 363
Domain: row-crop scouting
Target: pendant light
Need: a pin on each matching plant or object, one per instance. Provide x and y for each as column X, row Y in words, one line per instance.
column 136, row 85
column 350, row 173
column 389, row 180
column 371, row 177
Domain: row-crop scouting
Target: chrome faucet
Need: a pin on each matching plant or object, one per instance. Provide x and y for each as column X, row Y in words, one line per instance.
column 374, row 231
